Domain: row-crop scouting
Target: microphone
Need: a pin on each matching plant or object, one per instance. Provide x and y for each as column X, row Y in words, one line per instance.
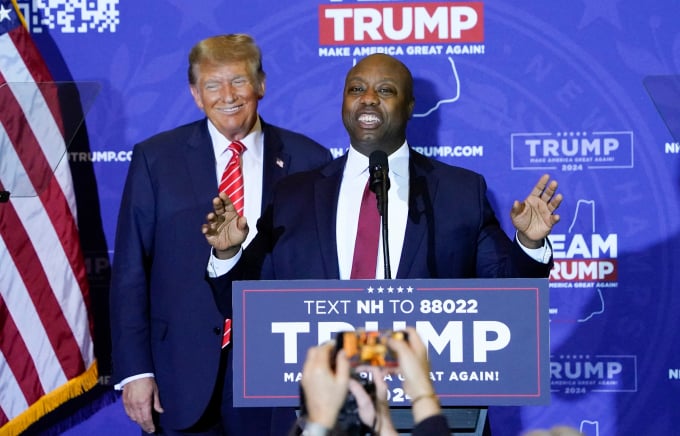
column 378, row 170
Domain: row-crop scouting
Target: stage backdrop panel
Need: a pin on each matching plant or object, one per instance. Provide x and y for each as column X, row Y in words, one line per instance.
column 581, row 90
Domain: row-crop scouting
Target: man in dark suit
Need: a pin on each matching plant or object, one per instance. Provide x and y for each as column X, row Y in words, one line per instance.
column 441, row 224
column 166, row 329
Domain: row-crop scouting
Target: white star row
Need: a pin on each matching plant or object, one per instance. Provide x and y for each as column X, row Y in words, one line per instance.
column 390, row 290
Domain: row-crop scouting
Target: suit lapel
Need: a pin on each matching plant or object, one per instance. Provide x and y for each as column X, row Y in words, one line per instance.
column 199, row 154
column 422, row 190
column 275, row 161
column 326, row 191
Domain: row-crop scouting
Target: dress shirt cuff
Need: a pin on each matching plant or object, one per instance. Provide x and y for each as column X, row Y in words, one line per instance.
column 540, row 254
column 314, row 429
column 119, row 386
column 219, row 267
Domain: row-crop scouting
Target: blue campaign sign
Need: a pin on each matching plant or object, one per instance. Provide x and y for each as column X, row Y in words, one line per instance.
column 487, row 339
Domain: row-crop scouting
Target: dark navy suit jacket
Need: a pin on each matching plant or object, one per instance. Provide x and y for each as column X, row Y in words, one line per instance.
column 163, row 317
column 451, row 230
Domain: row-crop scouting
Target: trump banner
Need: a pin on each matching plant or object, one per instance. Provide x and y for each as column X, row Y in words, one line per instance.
column 487, row 339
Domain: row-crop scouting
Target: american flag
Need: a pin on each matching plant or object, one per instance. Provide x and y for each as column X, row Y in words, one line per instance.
column 46, row 350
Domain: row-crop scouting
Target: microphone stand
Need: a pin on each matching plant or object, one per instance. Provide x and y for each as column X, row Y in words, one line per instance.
column 379, row 184
column 382, row 201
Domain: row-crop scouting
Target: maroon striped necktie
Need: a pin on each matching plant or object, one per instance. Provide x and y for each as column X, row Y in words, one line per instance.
column 368, row 234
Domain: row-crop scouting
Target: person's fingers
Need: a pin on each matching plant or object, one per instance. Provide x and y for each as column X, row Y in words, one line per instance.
column 550, row 187
column 365, row 406
column 517, row 207
column 147, row 424
column 140, row 412
column 538, row 189
column 415, row 343
column 310, row 360
column 317, row 361
column 413, row 364
column 549, row 191
column 362, row 397
column 210, row 224
column 555, row 202
column 218, row 205
column 342, row 366
column 157, row 402
column 222, row 204
column 242, row 223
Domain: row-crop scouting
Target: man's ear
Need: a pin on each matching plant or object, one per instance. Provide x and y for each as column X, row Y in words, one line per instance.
column 411, row 106
column 263, row 85
column 196, row 95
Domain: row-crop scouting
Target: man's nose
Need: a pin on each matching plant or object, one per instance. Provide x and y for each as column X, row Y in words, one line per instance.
column 228, row 93
column 370, row 97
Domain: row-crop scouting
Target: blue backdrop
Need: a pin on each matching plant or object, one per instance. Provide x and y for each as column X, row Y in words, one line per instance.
column 588, row 91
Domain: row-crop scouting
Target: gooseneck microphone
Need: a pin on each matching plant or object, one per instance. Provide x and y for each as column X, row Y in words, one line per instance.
column 378, row 169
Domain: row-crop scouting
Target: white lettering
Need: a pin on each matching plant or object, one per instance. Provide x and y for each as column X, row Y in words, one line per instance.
column 482, row 345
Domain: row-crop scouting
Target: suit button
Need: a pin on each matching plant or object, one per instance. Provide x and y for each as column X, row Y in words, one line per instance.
column 217, row 330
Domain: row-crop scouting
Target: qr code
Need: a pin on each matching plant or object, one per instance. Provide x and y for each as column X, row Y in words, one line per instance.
column 73, row 16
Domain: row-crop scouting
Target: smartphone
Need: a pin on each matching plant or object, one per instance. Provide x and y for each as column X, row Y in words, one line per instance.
column 369, row 347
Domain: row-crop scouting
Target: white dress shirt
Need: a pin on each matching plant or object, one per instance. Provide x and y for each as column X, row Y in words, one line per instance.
column 251, row 166
column 354, row 180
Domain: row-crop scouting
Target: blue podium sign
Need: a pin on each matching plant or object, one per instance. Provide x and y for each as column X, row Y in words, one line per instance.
column 487, row 339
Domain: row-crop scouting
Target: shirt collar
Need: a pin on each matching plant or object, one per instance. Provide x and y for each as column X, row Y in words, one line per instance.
column 357, row 163
column 398, row 161
column 254, row 141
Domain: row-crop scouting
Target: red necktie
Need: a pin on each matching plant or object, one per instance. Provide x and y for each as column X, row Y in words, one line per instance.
column 232, row 185
column 368, row 234
column 232, row 178
column 226, row 336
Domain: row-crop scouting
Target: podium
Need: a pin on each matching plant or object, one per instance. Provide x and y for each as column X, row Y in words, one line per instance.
column 463, row 421
column 487, row 339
